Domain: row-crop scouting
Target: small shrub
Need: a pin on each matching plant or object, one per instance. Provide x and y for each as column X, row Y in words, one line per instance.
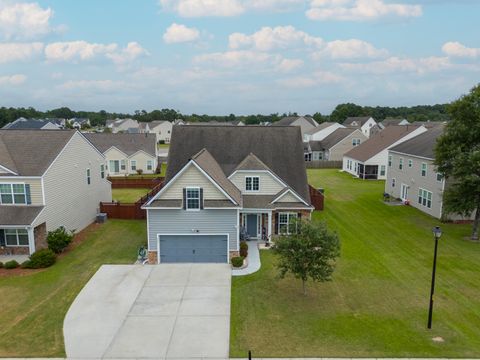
column 42, row 258
column 27, row 264
column 139, row 171
column 1, row 264
column 237, row 261
column 59, row 239
column 12, row 264
column 243, row 249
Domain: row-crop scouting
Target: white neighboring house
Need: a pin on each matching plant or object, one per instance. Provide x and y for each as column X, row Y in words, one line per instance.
column 365, row 123
column 125, row 154
column 77, row 123
column 369, row 160
column 48, row 179
column 321, row 131
column 121, row 125
column 162, row 129
column 305, row 123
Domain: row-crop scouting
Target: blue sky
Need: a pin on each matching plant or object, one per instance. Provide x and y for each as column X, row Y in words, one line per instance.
column 236, row 56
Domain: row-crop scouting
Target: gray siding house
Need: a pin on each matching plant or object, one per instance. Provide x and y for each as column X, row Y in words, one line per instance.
column 48, row 178
column 230, row 181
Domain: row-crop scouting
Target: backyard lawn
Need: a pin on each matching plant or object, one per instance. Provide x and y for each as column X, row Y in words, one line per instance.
column 149, row 176
column 129, row 195
column 33, row 306
column 376, row 305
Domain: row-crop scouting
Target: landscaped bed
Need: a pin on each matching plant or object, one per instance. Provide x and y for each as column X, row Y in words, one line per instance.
column 128, row 195
column 376, row 305
column 34, row 304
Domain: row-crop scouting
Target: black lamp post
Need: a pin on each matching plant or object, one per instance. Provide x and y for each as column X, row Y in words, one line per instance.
column 437, row 232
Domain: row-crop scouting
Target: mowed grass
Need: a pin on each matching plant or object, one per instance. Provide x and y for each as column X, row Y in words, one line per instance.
column 377, row 303
column 129, row 195
column 33, row 306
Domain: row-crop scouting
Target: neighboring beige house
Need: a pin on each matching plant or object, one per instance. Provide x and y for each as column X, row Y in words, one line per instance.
column 125, row 154
column 335, row 145
column 321, row 131
column 48, row 179
column 162, row 129
column 305, row 123
column 369, row 159
column 122, row 125
column 367, row 124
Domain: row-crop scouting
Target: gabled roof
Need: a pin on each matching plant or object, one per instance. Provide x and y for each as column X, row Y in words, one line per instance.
column 358, row 119
column 23, row 123
column 155, row 123
column 208, row 164
column 422, row 145
column 320, row 127
column 251, row 162
column 331, row 140
column 288, row 120
column 30, row 152
column 126, row 143
column 391, row 121
column 279, row 148
column 380, row 142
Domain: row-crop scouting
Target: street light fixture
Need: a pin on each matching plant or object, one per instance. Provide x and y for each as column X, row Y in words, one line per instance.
column 437, row 233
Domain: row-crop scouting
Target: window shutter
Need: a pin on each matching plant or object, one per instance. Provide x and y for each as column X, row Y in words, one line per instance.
column 27, row 194
column 2, row 237
column 276, row 223
column 201, row 198
column 184, row 198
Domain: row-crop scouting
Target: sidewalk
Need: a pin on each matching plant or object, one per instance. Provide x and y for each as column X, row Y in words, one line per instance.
column 253, row 260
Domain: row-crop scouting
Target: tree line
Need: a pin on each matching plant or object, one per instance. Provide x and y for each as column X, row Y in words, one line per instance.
column 339, row 114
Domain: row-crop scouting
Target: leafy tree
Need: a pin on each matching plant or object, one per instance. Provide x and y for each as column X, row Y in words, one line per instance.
column 343, row 111
column 309, row 253
column 457, row 156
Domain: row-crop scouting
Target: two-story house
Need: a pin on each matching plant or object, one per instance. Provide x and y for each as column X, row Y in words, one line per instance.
column 321, row 131
column 228, row 181
column 121, row 125
column 48, row 179
column 367, row 124
column 126, row 153
column 162, row 129
column 305, row 123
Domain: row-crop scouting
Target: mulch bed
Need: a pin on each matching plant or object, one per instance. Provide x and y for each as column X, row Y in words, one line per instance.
column 77, row 240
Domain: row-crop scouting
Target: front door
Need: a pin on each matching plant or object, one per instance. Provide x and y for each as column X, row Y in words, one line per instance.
column 404, row 192
column 252, row 225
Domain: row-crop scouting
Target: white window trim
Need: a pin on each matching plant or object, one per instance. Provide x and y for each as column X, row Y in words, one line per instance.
column 151, row 164
column 102, row 171
column 421, row 192
column 16, row 234
column 132, row 164
column 410, row 163
column 186, row 198
column 426, row 169
column 13, row 194
column 400, row 164
column 290, row 215
column 252, row 177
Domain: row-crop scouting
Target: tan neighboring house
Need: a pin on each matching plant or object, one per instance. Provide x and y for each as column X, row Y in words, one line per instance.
column 125, row 154
column 48, row 179
column 305, row 123
column 369, row 159
column 122, row 125
column 335, row 145
column 162, row 129
column 321, row 131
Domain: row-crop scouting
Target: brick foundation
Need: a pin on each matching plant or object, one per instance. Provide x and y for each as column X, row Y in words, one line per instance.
column 13, row 250
column 40, row 236
column 152, row 257
column 234, row 254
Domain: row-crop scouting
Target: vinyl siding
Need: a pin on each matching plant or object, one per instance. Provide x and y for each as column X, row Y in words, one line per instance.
column 141, row 159
column 342, row 147
column 35, row 187
column 192, row 177
column 288, row 198
column 70, row 202
column 114, row 154
column 303, row 124
column 268, row 184
column 183, row 222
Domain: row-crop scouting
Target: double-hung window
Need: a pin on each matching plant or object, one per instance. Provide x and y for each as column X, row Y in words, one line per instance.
column 122, row 165
column 382, row 170
column 13, row 194
column 424, row 169
column 133, row 165
column 16, row 237
column 102, row 171
column 389, row 160
column 439, row 177
column 410, row 163
column 287, row 223
column 89, row 180
column 425, row 198
column 400, row 164
column 192, row 198
column 252, row 183
column 356, row 142
column 149, row 164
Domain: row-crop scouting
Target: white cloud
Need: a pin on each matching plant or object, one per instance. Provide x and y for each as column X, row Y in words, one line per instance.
column 128, row 54
column 19, row 51
column 359, row 10
column 24, row 20
column 16, row 79
column 456, row 49
column 350, row 49
column 236, row 58
column 288, row 65
column 315, row 79
column 280, row 37
column 101, row 85
column 177, row 33
column 199, row 8
column 396, row 65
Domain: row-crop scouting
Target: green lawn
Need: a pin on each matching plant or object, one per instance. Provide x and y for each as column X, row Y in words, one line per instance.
column 129, row 195
column 163, row 146
column 376, row 305
column 33, row 306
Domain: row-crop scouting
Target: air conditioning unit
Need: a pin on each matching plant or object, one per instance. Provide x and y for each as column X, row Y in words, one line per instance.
column 101, row 218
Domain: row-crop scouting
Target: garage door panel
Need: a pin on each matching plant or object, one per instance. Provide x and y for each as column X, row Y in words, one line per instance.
column 194, row 248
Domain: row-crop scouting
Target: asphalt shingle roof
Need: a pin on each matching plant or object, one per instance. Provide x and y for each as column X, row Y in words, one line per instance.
column 333, row 139
column 18, row 215
column 127, row 143
column 422, row 145
column 288, row 120
column 358, row 119
column 321, row 126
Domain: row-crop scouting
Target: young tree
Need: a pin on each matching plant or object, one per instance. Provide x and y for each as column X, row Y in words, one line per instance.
column 457, row 156
column 308, row 253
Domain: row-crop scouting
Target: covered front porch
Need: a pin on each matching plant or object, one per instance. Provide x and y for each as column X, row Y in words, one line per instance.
column 255, row 225
column 16, row 241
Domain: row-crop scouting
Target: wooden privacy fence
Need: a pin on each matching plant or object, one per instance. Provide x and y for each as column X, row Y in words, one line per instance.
column 136, row 182
column 324, row 164
column 116, row 210
column 317, row 198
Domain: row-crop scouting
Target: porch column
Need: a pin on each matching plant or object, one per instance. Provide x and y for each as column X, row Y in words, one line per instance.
column 269, row 228
column 31, row 240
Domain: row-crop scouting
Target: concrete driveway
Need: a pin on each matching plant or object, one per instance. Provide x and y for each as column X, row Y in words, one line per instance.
column 162, row 311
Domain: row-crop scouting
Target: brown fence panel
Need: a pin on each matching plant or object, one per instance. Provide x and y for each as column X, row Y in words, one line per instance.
column 135, row 183
column 323, row 164
column 316, row 197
